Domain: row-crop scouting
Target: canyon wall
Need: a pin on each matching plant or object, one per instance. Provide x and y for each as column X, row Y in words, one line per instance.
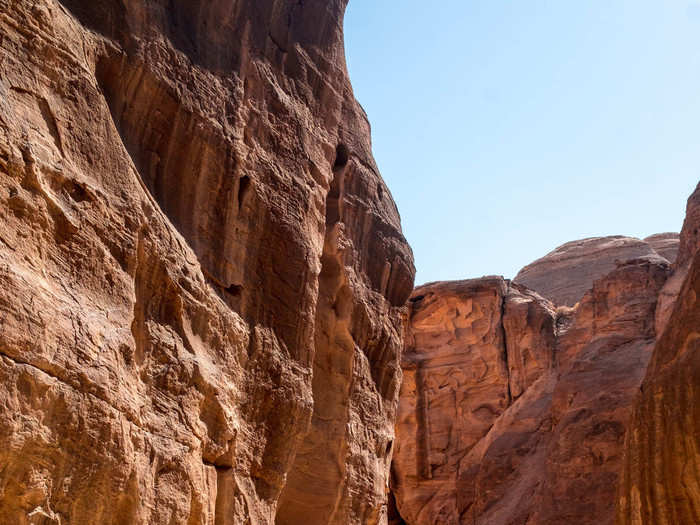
column 202, row 274
column 517, row 410
column 203, row 288
column 513, row 411
column 661, row 477
column 467, row 360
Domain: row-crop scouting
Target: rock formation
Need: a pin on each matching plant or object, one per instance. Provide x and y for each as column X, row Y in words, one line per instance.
column 661, row 481
column 518, row 411
column 203, row 288
column 473, row 348
column 565, row 274
column 512, row 411
column 665, row 244
column 202, row 275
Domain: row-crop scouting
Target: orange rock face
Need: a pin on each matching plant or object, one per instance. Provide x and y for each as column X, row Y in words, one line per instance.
column 565, row 274
column 202, row 278
column 512, row 412
column 467, row 360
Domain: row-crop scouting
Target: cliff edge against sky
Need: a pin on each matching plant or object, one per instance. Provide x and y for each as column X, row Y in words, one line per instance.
column 203, row 275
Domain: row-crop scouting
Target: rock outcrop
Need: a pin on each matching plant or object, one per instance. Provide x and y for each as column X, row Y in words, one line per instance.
column 202, row 274
column 665, row 244
column 514, row 412
column 565, row 274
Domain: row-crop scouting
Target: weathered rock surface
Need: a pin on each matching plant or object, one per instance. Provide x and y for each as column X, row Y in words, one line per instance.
column 512, row 412
column 565, row 274
column 661, row 482
column 459, row 378
column 665, row 244
column 202, row 275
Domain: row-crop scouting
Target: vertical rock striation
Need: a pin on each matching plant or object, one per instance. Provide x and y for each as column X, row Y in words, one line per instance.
column 473, row 348
column 202, row 274
column 661, row 482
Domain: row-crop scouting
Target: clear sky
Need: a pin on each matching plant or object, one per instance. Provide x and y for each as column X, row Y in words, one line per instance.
column 505, row 128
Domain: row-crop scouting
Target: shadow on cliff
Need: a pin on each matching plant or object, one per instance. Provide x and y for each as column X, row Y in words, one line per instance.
column 219, row 34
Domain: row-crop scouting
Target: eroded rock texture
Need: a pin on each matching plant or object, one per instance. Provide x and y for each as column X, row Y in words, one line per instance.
column 665, row 244
column 661, row 483
column 565, row 274
column 514, row 412
column 202, row 275
column 467, row 359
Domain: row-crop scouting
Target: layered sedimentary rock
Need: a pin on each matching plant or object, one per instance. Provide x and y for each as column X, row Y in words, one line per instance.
column 515, row 412
column 665, row 244
column 202, row 275
column 566, row 273
column 661, row 482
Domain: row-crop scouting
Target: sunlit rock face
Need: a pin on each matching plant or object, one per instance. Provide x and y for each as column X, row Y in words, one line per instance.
column 513, row 411
column 564, row 275
column 473, row 348
column 203, row 276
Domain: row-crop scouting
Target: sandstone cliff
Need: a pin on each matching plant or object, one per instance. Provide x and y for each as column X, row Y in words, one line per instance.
column 566, row 273
column 467, row 359
column 512, row 412
column 515, row 411
column 661, row 482
column 202, row 303
column 202, row 274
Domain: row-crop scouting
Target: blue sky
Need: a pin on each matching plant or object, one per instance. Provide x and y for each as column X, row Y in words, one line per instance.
column 505, row 128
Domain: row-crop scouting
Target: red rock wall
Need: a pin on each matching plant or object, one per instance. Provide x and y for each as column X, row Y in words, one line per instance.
column 661, row 481
column 202, row 273
column 512, row 412
column 467, row 360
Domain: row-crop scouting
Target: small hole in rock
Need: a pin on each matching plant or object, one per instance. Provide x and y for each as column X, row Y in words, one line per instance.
column 380, row 192
column 417, row 298
column 76, row 191
column 342, row 155
column 388, row 448
column 234, row 289
column 243, row 187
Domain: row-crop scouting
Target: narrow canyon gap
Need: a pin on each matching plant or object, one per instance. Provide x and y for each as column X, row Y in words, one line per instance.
column 207, row 303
